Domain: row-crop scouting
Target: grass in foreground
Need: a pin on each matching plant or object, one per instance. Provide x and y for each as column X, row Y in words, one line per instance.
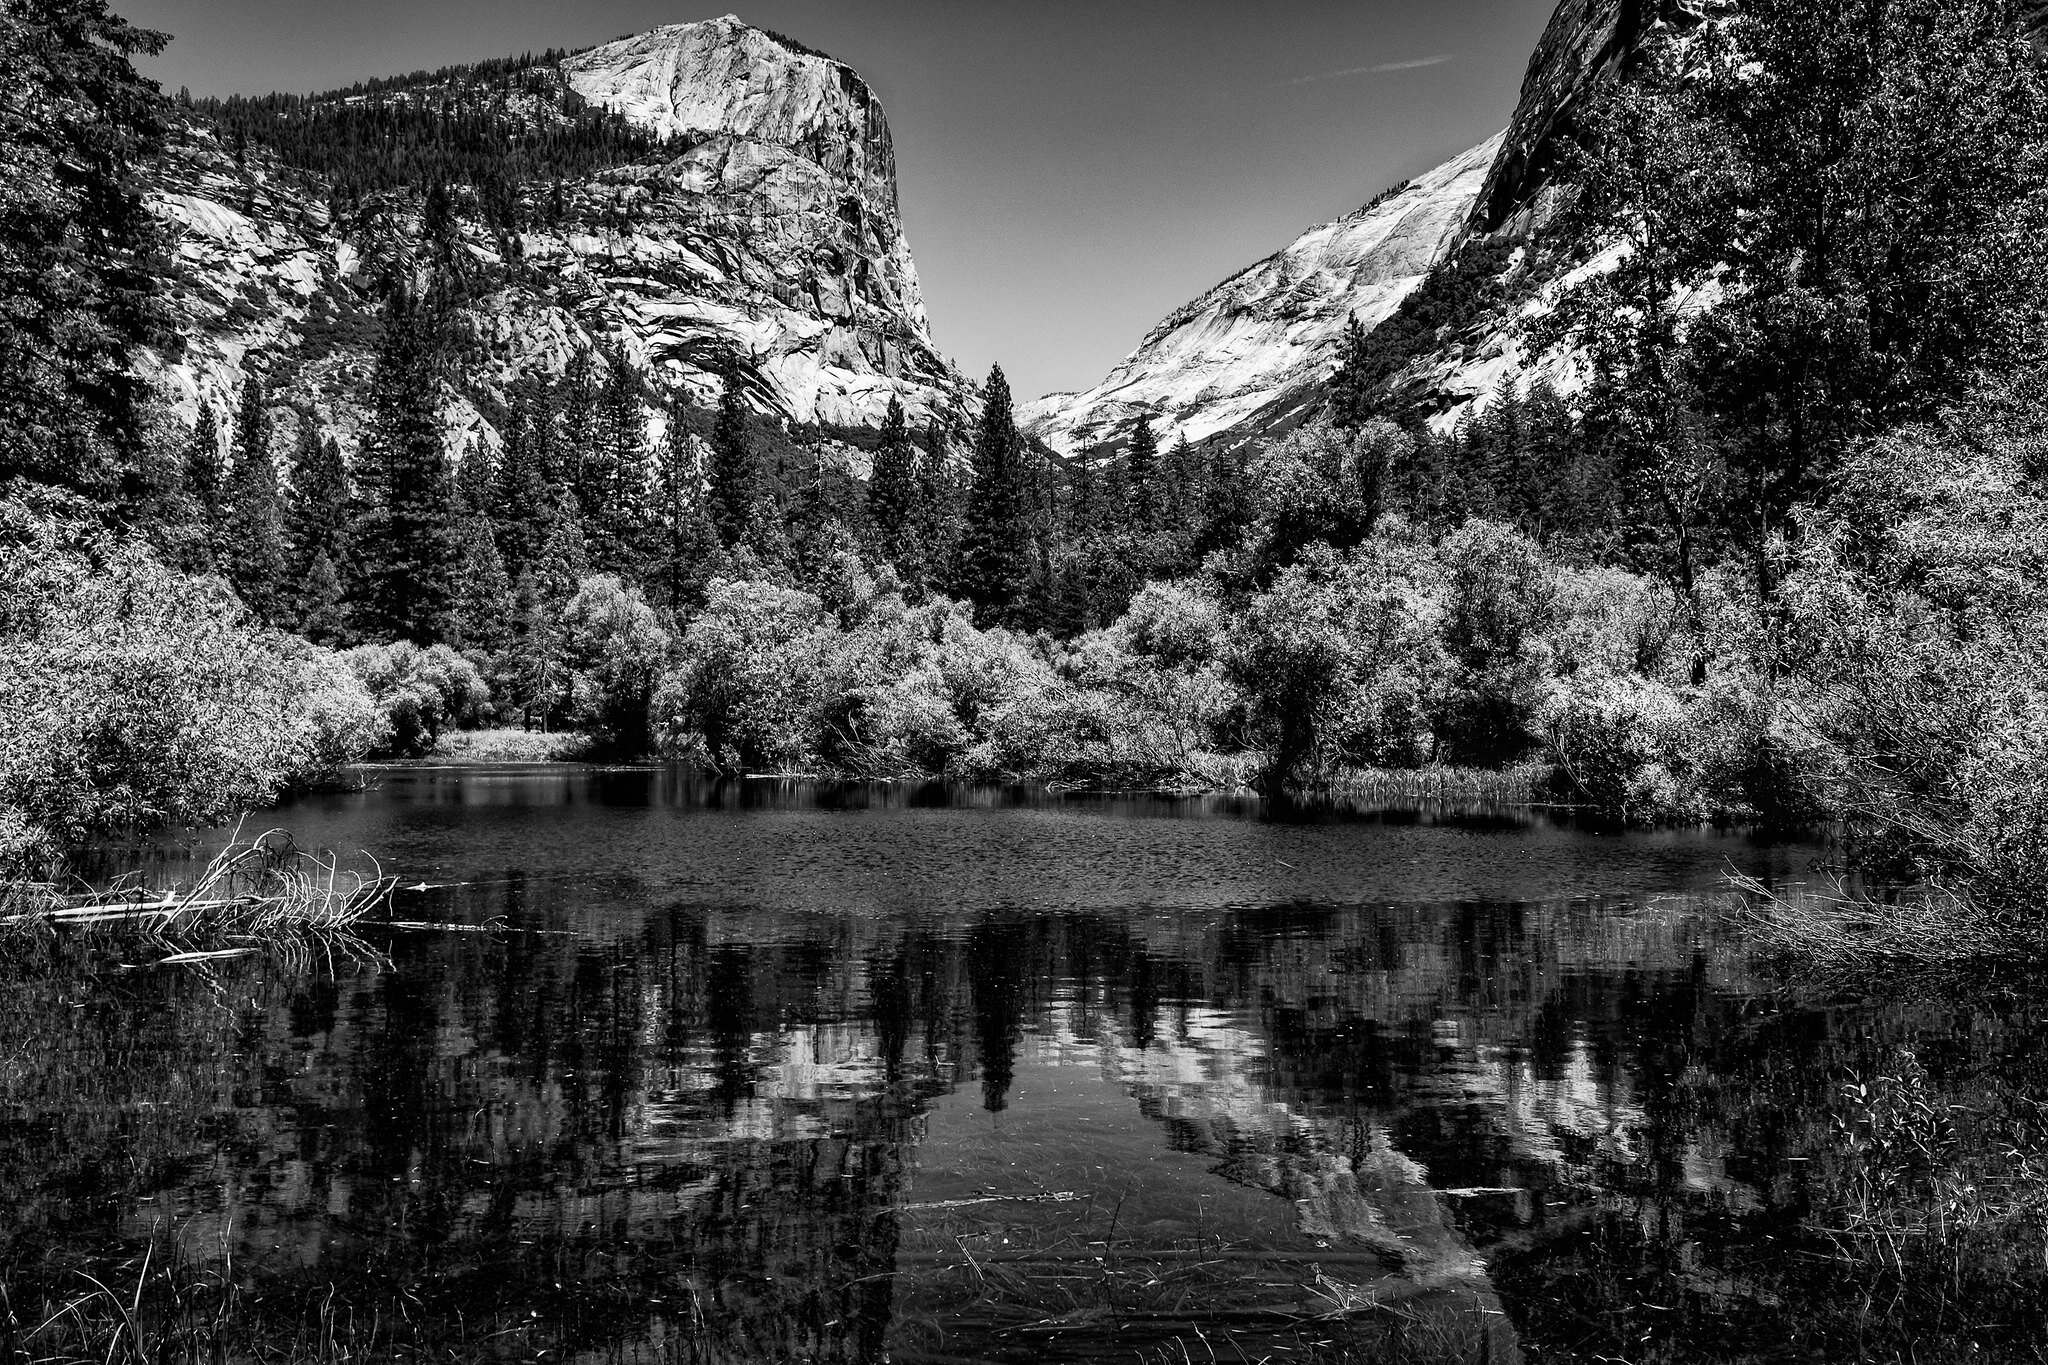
column 263, row 894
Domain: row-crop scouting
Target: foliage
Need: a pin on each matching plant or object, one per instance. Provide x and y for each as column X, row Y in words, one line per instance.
column 616, row 648
column 419, row 692
column 77, row 282
column 131, row 695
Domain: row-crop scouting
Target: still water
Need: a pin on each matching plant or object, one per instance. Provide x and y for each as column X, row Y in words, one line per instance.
column 784, row 1072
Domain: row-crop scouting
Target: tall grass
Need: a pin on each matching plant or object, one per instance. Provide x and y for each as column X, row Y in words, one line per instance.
column 264, row 892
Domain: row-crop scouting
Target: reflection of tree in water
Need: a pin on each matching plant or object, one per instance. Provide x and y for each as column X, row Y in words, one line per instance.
column 696, row 1131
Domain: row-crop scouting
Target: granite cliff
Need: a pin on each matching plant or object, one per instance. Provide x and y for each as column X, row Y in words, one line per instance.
column 747, row 201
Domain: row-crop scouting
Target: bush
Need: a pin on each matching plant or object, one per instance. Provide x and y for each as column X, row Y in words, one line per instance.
column 1498, row 605
column 133, row 696
column 616, row 648
column 419, row 693
column 1336, row 661
column 751, row 688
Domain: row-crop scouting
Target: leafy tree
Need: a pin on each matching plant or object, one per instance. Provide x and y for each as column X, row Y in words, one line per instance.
column 1864, row 183
column 616, row 646
column 77, row 293
column 995, row 558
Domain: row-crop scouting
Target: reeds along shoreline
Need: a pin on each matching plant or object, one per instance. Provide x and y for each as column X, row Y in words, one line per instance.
column 264, row 891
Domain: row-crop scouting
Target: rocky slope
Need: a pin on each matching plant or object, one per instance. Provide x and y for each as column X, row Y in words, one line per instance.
column 760, row 215
column 1255, row 351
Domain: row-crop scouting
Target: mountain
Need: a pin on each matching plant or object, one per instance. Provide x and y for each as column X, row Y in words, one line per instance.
column 699, row 187
column 1254, row 352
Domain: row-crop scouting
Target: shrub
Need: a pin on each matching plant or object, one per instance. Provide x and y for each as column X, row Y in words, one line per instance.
column 616, row 648
column 1498, row 604
column 1336, row 659
column 133, row 696
column 750, row 690
column 420, row 693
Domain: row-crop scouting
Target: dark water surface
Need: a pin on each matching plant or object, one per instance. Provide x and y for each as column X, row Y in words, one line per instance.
column 777, row 1072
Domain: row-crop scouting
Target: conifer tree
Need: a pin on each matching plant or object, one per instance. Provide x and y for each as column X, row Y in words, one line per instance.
column 526, row 493
column 614, row 476
column 995, row 560
column 892, row 488
column 734, row 472
column 576, row 404
column 316, row 498
column 476, row 482
column 1350, row 401
column 77, row 283
column 1141, row 473
column 938, row 514
column 252, row 549
column 407, row 547
column 205, row 474
column 485, row 609
column 682, row 548
column 322, row 605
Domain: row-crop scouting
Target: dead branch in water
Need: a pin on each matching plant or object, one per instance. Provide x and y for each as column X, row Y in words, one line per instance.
column 263, row 892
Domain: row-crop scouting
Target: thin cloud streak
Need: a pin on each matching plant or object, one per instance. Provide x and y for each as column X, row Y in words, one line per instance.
column 1380, row 70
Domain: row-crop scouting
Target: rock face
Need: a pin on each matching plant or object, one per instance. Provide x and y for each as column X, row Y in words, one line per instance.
column 1254, row 352
column 765, row 222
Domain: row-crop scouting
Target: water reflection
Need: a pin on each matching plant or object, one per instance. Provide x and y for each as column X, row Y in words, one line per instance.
column 768, row 1074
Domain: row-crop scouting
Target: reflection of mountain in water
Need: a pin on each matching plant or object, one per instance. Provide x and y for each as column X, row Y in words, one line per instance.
column 734, row 1134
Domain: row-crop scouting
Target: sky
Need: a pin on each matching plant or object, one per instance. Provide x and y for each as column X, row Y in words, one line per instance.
column 1070, row 170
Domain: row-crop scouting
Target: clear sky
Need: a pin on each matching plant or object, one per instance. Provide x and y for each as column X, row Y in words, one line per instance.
column 1071, row 170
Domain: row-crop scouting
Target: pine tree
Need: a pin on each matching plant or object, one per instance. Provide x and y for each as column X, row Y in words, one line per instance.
column 476, row 483
column 1350, row 401
column 485, row 609
column 734, row 472
column 576, row 403
column 1141, row 473
column 995, row 560
column 316, row 530
column 892, row 489
column 614, row 477
column 564, row 560
column 681, row 549
column 322, row 605
column 938, row 514
column 206, row 473
column 252, row 549
column 77, row 284
column 407, row 546
column 526, row 492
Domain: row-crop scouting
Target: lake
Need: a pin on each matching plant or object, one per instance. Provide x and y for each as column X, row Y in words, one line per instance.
column 779, row 1071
